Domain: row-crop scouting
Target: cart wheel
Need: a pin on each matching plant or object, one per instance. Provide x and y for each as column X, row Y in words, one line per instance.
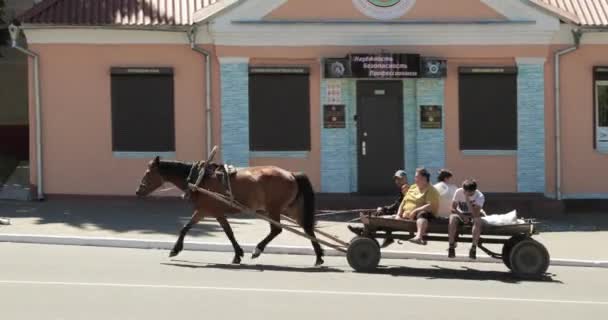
column 363, row 254
column 508, row 246
column 529, row 259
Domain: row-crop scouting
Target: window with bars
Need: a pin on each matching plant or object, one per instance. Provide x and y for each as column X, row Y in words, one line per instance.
column 142, row 110
column 279, row 109
column 488, row 108
column 601, row 108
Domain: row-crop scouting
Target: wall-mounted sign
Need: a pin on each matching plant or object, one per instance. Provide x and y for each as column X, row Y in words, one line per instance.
column 385, row 65
column 337, row 68
column 334, row 116
column 334, row 92
column 433, row 68
column 430, row 117
column 393, row 66
column 384, row 9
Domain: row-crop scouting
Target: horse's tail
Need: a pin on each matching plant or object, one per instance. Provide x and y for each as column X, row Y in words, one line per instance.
column 307, row 195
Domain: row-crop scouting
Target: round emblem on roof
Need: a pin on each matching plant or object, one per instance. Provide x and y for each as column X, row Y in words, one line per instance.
column 384, row 9
column 384, row 3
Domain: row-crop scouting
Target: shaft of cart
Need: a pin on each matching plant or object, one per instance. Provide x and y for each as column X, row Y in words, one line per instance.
column 342, row 247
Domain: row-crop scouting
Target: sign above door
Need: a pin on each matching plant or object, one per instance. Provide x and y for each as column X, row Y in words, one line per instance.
column 384, row 66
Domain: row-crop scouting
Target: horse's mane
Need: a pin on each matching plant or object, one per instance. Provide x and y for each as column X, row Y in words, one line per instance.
column 175, row 168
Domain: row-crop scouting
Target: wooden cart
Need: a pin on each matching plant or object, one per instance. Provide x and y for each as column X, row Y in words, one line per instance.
column 520, row 253
column 524, row 256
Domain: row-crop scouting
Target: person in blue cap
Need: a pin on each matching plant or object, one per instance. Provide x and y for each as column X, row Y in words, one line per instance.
column 400, row 179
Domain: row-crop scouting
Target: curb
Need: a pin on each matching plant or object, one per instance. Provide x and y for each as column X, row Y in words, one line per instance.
column 280, row 249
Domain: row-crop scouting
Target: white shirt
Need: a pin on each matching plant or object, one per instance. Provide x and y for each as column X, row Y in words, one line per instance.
column 477, row 199
column 446, row 195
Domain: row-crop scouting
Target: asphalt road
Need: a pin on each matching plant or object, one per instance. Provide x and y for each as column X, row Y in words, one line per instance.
column 69, row 282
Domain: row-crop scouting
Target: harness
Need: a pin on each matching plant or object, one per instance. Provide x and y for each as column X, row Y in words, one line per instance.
column 222, row 172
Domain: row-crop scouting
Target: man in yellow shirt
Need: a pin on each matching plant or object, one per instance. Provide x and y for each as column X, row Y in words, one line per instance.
column 421, row 203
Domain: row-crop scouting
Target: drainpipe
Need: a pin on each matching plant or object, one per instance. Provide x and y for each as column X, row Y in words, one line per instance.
column 192, row 39
column 577, row 35
column 15, row 32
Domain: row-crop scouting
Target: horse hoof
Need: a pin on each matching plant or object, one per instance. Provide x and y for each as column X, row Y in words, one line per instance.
column 173, row 254
column 319, row 262
column 256, row 253
column 236, row 260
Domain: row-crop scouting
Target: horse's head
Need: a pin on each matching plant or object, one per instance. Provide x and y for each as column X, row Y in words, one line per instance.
column 152, row 179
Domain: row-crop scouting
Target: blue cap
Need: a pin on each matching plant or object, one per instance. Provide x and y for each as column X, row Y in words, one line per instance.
column 400, row 174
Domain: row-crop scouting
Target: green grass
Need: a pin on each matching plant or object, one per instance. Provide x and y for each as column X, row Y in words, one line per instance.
column 7, row 167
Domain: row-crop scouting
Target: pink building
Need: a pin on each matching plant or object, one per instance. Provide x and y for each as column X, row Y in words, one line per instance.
column 346, row 90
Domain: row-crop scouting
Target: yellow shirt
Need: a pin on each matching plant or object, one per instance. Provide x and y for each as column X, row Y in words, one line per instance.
column 415, row 199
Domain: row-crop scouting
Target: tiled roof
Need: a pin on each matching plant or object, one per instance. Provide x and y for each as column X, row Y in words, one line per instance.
column 589, row 13
column 593, row 13
column 115, row 12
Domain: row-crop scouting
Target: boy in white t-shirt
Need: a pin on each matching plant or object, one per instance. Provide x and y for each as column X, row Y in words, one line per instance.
column 446, row 191
column 467, row 205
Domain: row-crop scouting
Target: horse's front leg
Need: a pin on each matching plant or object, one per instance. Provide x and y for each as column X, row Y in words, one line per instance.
column 179, row 245
column 238, row 251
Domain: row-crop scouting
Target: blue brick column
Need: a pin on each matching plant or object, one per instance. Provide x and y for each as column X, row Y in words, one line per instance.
column 430, row 143
column 409, row 126
column 349, row 97
column 531, row 125
column 235, row 110
column 338, row 149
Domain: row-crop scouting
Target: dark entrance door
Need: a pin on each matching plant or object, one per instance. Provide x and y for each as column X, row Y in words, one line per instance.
column 380, row 135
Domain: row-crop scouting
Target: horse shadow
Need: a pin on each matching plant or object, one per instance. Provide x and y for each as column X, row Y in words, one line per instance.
column 250, row 267
column 434, row 272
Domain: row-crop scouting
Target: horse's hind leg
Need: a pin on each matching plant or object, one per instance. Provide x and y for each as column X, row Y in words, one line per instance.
column 317, row 247
column 238, row 251
column 179, row 245
column 291, row 211
column 274, row 231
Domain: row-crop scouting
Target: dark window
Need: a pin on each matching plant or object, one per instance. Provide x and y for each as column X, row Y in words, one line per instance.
column 4, row 38
column 279, row 112
column 600, row 110
column 142, row 110
column 4, row 34
column 488, row 108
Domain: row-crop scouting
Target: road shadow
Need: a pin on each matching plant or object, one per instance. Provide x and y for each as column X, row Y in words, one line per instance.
column 436, row 272
column 250, row 267
column 433, row 272
column 586, row 222
column 147, row 216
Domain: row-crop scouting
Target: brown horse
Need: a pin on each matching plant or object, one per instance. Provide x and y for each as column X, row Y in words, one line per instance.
column 264, row 188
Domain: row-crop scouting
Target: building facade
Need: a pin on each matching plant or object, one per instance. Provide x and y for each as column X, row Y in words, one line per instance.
column 347, row 91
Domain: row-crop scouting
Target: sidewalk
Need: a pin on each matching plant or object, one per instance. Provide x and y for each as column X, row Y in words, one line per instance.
column 566, row 237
